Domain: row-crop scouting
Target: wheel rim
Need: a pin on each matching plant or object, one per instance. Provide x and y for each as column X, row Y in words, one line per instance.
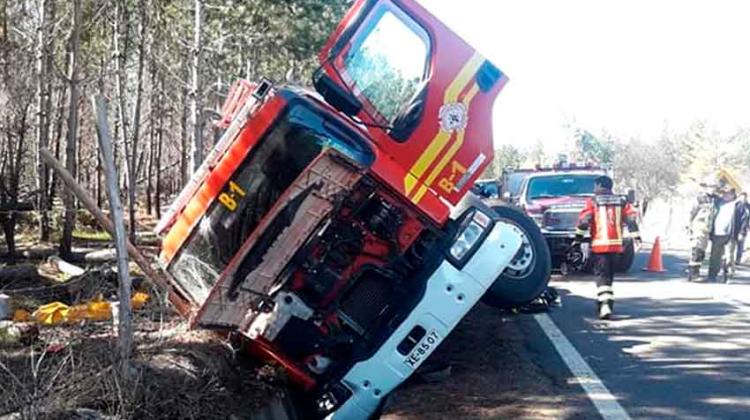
column 523, row 262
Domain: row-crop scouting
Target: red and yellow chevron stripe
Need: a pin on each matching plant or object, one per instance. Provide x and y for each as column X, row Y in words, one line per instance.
column 452, row 140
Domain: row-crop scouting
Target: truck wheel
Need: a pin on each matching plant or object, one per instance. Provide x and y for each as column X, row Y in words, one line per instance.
column 528, row 273
column 625, row 260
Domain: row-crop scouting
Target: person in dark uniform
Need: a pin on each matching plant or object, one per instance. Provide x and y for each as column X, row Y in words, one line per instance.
column 743, row 225
column 725, row 233
column 605, row 217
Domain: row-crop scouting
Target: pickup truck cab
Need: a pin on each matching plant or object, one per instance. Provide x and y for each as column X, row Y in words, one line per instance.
column 553, row 198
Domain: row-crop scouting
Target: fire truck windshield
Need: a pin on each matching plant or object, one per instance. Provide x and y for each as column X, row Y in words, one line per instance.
column 388, row 61
column 560, row 185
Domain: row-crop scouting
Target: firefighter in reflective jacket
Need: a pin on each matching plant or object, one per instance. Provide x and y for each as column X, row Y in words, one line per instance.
column 605, row 217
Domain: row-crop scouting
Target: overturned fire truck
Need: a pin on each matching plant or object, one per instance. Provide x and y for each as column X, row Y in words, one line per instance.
column 332, row 230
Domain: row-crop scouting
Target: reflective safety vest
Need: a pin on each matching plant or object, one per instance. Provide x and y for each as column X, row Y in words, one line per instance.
column 605, row 216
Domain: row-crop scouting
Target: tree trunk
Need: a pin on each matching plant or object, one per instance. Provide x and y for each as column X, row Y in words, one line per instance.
column 137, row 118
column 57, row 141
column 120, row 28
column 71, row 144
column 3, row 20
column 196, row 123
column 52, row 12
column 42, row 121
column 9, row 229
column 160, row 136
column 184, row 148
column 150, row 170
column 98, row 177
column 4, row 37
column 79, row 172
column 9, row 183
column 151, row 141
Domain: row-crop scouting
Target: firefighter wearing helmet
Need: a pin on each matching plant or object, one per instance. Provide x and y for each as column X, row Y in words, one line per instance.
column 605, row 216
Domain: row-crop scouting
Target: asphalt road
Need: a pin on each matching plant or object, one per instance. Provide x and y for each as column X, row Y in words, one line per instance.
column 674, row 349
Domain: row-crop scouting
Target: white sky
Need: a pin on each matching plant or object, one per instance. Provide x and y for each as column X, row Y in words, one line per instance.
column 631, row 67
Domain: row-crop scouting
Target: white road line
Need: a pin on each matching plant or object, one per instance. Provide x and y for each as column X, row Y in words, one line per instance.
column 597, row 392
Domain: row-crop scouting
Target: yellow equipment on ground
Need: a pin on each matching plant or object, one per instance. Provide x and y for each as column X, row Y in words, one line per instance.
column 97, row 309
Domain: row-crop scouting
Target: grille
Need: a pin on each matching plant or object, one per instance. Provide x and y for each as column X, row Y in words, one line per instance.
column 561, row 219
column 365, row 301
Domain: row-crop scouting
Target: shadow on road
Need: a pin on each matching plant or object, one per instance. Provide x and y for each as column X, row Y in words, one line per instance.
column 680, row 358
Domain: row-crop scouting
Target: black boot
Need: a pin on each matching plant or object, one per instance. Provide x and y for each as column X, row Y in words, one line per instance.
column 694, row 271
column 606, row 298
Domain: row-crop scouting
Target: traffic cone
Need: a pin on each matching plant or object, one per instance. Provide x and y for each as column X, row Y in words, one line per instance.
column 654, row 262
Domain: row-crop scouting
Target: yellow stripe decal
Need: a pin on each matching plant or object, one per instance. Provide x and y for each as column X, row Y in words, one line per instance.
column 618, row 221
column 419, row 194
column 607, row 242
column 409, row 182
column 463, row 78
column 442, row 137
column 601, row 224
column 453, row 149
column 428, row 156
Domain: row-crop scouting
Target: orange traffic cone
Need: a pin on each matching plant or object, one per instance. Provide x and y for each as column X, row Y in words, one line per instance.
column 654, row 262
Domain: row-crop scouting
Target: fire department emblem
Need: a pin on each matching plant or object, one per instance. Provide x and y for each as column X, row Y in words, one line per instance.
column 453, row 117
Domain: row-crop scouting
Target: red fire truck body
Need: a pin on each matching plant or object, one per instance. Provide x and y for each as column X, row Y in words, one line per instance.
column 333, row 230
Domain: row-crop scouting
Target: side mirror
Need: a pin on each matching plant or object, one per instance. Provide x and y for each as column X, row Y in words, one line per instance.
column 408, row 119
column 478, row 190
column 336, row 96
column 631, row 196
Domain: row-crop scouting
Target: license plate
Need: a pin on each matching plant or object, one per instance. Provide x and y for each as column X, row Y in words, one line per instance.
column 423, row 349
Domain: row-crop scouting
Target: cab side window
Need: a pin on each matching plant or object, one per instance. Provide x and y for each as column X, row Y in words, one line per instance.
column 388, row 62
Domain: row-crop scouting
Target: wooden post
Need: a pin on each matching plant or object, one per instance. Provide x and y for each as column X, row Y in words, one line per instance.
column 180, row 303
column 125, row 325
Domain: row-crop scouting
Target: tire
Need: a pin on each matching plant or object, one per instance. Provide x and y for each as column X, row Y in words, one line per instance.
column 624, row 261
column 527, row 276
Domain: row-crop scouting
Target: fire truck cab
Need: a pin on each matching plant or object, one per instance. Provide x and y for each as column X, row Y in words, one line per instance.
column 333, row 230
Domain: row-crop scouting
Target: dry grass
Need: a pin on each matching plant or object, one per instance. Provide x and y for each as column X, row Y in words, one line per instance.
column 175, row 374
